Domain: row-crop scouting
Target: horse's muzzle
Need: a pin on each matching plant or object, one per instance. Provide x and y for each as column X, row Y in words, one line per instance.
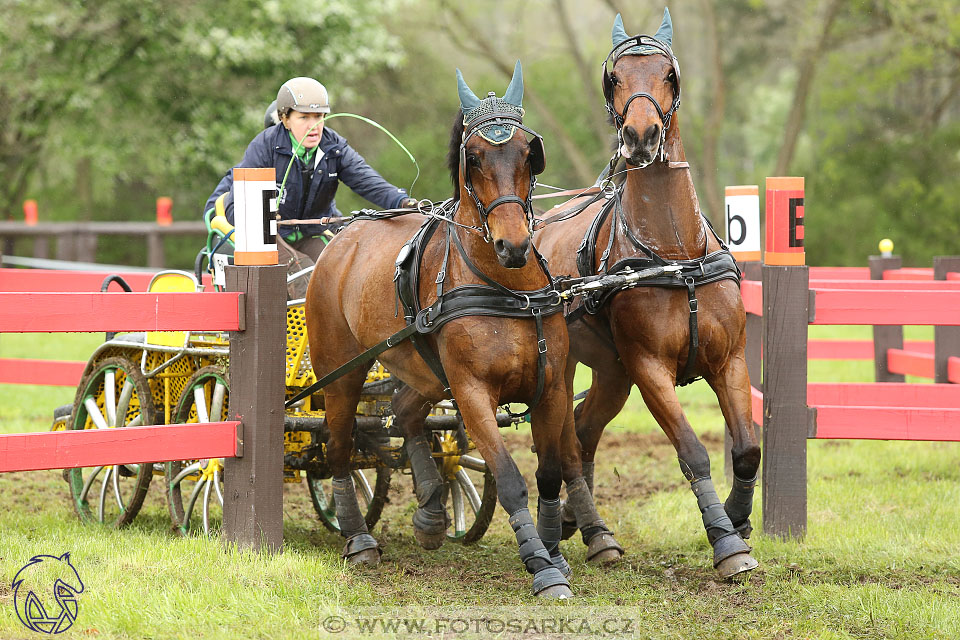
column 510, row 255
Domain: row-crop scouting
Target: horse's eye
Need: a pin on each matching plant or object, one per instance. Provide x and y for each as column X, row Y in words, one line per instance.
column 473, row 161
column 672, row 76
column 614, row 80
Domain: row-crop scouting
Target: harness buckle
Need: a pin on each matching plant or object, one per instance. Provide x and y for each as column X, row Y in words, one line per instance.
column 693, row 305
column 542, row 345
column 441, row 275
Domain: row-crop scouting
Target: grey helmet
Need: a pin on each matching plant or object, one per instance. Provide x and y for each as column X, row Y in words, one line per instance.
column 271, row 117
column 305, row 95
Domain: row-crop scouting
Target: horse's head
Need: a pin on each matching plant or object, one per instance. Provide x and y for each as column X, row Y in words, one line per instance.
column 641, row 84
column 494, row 167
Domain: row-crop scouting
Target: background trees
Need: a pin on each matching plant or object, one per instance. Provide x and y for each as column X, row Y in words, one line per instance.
column 105, row 106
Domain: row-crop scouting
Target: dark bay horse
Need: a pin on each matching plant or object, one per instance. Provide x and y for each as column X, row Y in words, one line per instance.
column 678, row 327
column 487, row 360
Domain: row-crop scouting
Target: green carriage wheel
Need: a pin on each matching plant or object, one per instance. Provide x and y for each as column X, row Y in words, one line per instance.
column 471, row 489
column 114, row 394
column 195, row 487
column 371, row 497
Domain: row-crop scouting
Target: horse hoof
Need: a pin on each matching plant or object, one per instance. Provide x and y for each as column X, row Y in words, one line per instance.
column 430, row 541
column 556, row 592
column 365, row 558
column 603, row 549
column 736, row 564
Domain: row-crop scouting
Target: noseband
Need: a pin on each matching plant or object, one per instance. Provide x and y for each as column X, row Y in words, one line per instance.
column 537, row 163
column 618, row 118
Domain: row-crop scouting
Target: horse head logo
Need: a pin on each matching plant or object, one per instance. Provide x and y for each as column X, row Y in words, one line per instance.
column 45, row 594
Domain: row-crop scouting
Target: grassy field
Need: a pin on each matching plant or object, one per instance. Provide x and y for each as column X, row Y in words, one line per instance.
column 879, row 561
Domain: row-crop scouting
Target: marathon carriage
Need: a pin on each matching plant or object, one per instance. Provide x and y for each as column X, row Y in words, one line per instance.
column 184, row 378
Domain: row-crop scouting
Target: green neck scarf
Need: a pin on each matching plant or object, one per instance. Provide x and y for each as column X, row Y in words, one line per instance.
column 305, row 155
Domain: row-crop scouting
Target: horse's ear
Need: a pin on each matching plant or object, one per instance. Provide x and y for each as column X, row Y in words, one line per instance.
column 665, row 32
column 468, row 99
column 619, row 33
column 514, row 94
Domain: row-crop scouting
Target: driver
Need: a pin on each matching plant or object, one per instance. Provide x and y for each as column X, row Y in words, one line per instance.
column 320, row 163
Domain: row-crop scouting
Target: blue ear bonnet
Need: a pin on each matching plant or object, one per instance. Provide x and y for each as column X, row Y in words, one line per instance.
column 664, row 35
column 510, row 105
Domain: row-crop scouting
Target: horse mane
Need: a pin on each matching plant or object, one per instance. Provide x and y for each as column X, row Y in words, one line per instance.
column 453, row 153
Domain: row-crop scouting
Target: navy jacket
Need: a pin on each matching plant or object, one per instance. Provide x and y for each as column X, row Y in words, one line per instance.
column 340, row 162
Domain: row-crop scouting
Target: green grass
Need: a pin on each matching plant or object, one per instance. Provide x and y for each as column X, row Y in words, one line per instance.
column 879, row 559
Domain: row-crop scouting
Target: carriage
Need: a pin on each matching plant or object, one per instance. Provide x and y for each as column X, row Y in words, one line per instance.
column 149, row 378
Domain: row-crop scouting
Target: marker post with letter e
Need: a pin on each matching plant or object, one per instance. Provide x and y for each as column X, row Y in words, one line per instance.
column 253, row 482
column 786, row 417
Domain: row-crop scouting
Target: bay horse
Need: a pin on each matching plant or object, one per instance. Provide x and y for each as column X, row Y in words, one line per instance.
column 686, row 323
column 498, row 339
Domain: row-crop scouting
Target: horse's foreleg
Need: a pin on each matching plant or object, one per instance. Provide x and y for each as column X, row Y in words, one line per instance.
column 340, row 399
column 478, row 411
column 430, row 520
column 731, row 555
column 732, row 387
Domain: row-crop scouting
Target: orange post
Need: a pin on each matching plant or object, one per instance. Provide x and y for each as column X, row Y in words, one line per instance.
column 784, row 222
column 30, row 212
column 164, row 211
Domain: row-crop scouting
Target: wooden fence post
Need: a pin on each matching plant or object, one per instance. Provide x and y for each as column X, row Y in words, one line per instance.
column 253, row 484
column 946, row 340
column 786, row 313
column 885, row 336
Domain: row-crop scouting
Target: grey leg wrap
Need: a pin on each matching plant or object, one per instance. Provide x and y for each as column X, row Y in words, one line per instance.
column 548, row 526
column 430, row 516
column 589, row 522
column 533, row 554
column 722, row 535
column 352, row 525
column 569, row 517
column 739, row 505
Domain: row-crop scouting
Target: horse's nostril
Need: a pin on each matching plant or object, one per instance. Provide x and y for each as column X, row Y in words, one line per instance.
column 630, row 136
column 498, row 246
column 652, row 135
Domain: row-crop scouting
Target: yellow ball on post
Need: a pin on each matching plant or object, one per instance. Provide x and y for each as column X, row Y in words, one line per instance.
column 886, row 247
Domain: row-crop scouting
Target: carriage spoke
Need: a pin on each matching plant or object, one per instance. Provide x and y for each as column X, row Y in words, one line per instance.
column 459, row 517
column 136, row 422
column 473, row 463
column 94, row 412
column 116, row 487
column 123, row 404
column 206, row 508
column 363, row 485
column 216, row 485
column 468, row 488
column 110, row 396
column 188, row 510
column 89, row 483
column 103, row 492
column 186, row 471
column 219, row 395
column 200, row 402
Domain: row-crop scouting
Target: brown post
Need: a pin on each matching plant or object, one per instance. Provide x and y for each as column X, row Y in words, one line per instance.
column 885, row 337
column 155, row 256
column 253, row 483
column 946, row 340
column 786, row 314
column 40, row 247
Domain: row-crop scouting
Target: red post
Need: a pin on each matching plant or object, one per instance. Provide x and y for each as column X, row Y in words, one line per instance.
column 164, row 211
column 30, row 212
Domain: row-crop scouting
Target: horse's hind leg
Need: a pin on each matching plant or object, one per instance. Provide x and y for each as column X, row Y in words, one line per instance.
column 340, row 399
column 478, row 411
column 607, row 395
column 731, row 555
column 430, row 520
column 732, row 387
